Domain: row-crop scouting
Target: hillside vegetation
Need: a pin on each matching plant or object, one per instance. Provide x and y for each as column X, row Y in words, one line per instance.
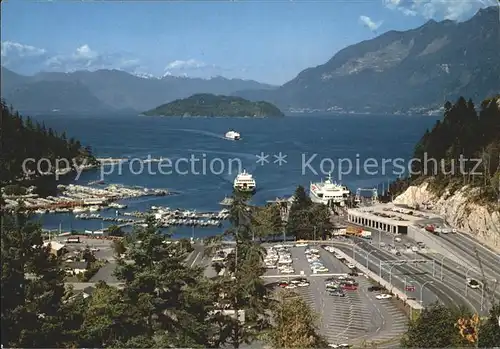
column 24, row 139
column 212, row 105
column 463, row 133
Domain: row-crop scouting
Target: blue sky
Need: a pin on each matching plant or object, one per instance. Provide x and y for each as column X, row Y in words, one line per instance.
column 268, row 41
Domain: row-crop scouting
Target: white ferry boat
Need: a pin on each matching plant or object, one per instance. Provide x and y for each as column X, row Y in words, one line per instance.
column 244, row 182
column 232, row 135
column 328, row 192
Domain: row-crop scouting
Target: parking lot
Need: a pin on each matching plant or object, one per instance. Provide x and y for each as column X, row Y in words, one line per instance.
column 103, row 249
column 349, row 312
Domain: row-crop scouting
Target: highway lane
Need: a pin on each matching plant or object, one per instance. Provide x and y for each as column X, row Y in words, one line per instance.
column 396, row 274
column 467, row 247
column 462, row 246
column 454, row 274
column 448, row 294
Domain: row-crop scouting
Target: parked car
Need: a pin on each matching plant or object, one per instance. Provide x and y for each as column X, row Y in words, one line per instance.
column 383, row 296
column 337, row 293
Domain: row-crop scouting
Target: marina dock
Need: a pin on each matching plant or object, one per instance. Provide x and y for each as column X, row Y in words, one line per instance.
column 79, row 198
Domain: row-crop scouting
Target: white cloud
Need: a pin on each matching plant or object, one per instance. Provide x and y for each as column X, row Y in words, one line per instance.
column 84, row 52
column 192, row 68
column 184, row 65
column 15, row 49
column 369, row 23
column 85, row 58
column 17, row 56
column 438, row 9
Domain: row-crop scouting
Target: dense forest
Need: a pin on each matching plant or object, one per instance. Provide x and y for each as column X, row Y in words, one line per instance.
column 204, row 104
column 463, row 133
column 22, row 138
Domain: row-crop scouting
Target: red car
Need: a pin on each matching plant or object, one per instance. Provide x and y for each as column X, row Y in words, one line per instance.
column 283, row 284
column 349, row 287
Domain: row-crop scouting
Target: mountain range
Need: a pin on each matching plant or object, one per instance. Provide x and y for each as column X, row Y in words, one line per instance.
column 398, row 71
column 107, row 90
column 401, row 70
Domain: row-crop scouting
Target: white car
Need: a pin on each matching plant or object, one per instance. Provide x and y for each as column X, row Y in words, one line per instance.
column 271, row 266
column 383, row 296
column 321, row 269
column 287, row 271
column 290, row 286
column 397, row 239
column 303, row 284
column 301, row 244
column 414, row 248
column 351, row 266
column 473, row 283
column 338, row 256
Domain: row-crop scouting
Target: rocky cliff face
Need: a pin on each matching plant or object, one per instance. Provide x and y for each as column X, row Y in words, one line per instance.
column 458, row 210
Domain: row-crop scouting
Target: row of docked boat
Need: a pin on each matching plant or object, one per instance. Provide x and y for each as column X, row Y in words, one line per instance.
column 106, row 219
column 80, row 209
column 190, row 222
column 166, row 212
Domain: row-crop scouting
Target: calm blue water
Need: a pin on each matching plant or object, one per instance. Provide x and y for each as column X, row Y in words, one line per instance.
column 332, row 138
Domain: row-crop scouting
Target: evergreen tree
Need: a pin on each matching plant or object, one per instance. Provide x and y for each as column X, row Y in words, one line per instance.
column 435, row 328
column 32, row 287
column 23, row 139
column 170, row 308
column 294, row 324
column 489, row 332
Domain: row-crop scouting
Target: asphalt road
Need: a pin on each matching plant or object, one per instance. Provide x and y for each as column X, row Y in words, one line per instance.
column 450, row 291
column 466, row 247
column 198, row 257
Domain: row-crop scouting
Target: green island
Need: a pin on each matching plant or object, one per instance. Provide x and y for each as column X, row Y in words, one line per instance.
column 205, row 104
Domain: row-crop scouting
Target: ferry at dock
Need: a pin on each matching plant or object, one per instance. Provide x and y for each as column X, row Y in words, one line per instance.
column 244, row 182
column 328, row 192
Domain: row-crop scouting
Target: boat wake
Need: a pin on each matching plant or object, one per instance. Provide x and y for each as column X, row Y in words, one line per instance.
column 239, row 155
column 201, row 132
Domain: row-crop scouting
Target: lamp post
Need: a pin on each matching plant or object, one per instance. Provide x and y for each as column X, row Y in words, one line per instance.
column 442, row 260
column 390, row 273
column 422, row 290
column 482, row 295
column 367, row 260
column 353, row 249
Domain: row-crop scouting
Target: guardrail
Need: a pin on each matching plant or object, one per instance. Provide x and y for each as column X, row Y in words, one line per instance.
column 412, row 304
